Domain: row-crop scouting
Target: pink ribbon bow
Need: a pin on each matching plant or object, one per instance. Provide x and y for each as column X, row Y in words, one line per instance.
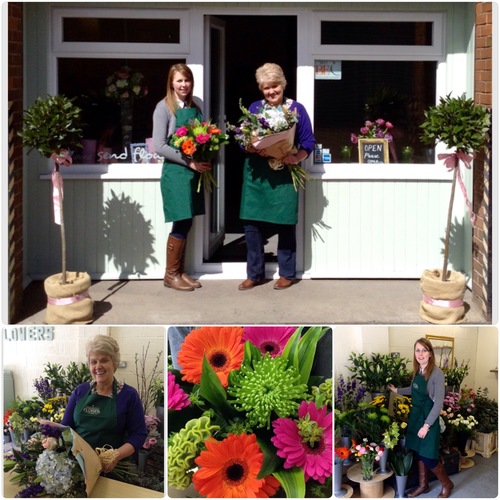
column 60, row 158
column 451, row 161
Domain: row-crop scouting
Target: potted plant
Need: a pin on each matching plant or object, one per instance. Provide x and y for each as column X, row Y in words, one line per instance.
column 486, row 413
column 401, row 461
column 463, row 126
column 378, row 370
column 51, row 125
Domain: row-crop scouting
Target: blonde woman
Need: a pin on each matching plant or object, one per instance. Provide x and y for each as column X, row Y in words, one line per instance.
column 105, row 411
column 180, row 174
column 269, row 201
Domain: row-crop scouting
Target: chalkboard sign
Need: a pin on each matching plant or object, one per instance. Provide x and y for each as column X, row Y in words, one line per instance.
column 373, row 150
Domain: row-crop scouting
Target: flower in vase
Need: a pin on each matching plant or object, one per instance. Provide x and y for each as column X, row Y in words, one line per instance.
column 269, row 385
column 229, row 469
column 222, row 347
column 177, row 398
column 271, row 339
column 306, row 443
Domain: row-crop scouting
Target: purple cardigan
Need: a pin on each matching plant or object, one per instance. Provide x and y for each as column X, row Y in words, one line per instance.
column 129, row 410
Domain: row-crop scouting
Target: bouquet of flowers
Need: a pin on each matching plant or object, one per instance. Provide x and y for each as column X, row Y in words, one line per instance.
column 246, row 417
column 54, row 462
column 367, row 453
column 271, row 131
column 401, row 407
column 200, row 141
column 125, row 84
column 379, row 129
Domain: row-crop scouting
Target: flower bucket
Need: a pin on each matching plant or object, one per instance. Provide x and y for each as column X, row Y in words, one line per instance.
column 337, row 478
column 442, row 301
column 401, row 485
column 383, row 461
column 69, row 303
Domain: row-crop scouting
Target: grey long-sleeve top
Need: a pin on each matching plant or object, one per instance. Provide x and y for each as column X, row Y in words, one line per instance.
column 163, row 128
column 435, row 390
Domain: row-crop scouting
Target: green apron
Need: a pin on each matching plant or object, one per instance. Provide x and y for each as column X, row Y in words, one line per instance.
column 179, row 184
column 268, row 195
column 421, row 406
column 95, row 419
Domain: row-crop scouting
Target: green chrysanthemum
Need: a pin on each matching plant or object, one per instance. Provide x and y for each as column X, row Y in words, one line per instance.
column 184, row 447
column 322, row 394
column 266, row 387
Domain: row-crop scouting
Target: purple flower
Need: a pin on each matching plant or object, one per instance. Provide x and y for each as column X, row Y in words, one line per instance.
column 50, row 431
column 32, row 491
column 44, row 389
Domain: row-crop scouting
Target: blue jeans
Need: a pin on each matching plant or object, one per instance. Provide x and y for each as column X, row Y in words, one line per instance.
column 255, row 234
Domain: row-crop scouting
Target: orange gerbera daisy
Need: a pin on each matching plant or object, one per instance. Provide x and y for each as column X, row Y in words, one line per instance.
column 188, row 147
column 222, row 346
column 229, row 469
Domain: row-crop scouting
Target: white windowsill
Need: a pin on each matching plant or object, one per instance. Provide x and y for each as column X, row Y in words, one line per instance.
column 319, row 171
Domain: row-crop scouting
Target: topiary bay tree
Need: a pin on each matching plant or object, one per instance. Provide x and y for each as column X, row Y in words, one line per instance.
column 463, row 127
column 52, row 125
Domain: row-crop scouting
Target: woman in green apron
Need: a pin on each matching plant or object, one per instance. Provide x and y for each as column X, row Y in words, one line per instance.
column 269, row 201
column 104, row 411
column 423, row 431
column 180, row 174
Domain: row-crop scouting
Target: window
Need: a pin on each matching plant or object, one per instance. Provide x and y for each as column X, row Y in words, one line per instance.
column 384, row 65
column 95, row 53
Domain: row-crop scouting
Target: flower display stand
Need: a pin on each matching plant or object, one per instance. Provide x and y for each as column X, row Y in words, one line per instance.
column 375, row 488
column 485, row 444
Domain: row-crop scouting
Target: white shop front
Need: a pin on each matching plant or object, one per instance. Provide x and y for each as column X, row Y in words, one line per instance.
column 356, row 220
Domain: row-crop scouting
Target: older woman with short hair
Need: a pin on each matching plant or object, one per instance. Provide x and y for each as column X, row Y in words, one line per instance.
column 269, row 201
column 105, row 411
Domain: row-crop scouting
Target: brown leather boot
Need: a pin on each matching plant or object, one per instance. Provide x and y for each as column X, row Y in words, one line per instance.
column 423, row 480
column 173, row 278
column 445, row 481
column 185, row 276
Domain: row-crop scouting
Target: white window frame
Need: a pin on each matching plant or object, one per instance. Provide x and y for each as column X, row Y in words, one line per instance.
column 103, row 50
column 435, row 52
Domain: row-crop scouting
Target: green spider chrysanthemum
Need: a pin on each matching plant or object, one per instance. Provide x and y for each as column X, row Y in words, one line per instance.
column 184, row 447
column 267, row 386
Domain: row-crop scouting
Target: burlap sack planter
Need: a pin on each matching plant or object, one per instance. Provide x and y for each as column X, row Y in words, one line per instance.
column 70, row 303
column 442, row 301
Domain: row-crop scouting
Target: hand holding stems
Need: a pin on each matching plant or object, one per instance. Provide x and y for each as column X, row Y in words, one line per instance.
column 392, row 388
column 200, row 166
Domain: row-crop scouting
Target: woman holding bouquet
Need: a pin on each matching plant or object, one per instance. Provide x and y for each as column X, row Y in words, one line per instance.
column 180, row 174
column 269, row 202
column 423, row 432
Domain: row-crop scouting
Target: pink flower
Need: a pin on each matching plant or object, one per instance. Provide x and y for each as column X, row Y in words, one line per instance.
column 380, row 122
column 269, row 339
column 354, row 138
column 389, row 125
column 316, row 460
column 364, row 130
column 177, row 398
column 181, row 131
column 202, row 138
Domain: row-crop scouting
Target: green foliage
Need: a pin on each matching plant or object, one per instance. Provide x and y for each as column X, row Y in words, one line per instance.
column 377, row 371
column 50, row 124
column 486, row 412
column 401, row 461
column 370, row 422
column 65, row 380
column 457, row 122
column 455, row 374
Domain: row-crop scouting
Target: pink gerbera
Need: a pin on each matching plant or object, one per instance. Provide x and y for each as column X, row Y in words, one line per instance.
column 177, row 398
column 269, row 339
column 307, row 442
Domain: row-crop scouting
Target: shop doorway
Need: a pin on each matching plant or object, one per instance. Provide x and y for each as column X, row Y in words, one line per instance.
column 249, row 43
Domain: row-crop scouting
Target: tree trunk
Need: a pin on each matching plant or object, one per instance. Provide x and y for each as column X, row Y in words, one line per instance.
column 444, row 274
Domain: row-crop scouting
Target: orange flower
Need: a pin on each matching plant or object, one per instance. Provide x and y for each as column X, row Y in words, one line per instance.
column 188, row 147
column 229, row 469
column 222, row 346
column 213, row 130
column 342, row 452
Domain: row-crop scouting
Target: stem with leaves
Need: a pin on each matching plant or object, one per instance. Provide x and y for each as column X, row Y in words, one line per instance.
column 146, row 381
